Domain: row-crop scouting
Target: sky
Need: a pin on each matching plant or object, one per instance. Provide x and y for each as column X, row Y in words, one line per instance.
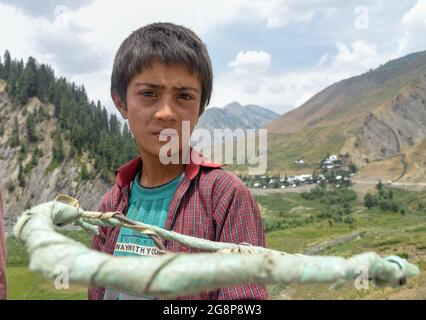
column 273, row 53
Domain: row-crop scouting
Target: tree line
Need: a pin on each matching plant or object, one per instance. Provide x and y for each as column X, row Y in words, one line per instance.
column 84, row 123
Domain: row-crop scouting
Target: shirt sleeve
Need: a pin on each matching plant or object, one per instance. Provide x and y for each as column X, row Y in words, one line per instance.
column 243, row 223
column 98, row 244
column 98, row 240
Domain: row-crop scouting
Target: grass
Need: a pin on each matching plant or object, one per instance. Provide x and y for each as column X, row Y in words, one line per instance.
column 294, row 210
column 26, row 285
column 52, row 165
column 310, row 145
column 385, row 233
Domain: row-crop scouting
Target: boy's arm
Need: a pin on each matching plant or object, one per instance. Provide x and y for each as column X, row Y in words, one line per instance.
column 243, row 223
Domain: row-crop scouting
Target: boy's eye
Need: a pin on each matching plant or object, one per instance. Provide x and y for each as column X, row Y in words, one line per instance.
column 147, row 93
column 185, row 96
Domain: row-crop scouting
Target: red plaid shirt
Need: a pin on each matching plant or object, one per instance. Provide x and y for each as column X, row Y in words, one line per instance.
column 209, row 203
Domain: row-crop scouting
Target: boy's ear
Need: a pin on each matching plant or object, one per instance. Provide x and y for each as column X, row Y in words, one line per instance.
column 119, row 104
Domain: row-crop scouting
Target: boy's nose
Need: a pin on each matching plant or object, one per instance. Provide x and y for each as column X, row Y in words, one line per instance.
column 166, row 110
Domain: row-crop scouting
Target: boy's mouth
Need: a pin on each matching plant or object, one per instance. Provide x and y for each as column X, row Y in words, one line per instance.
column 166, row 133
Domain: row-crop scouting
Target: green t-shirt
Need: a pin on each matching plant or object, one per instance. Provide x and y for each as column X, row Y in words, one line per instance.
column 147, row 205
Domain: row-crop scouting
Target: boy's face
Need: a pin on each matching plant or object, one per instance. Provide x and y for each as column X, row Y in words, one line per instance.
column 161, row 97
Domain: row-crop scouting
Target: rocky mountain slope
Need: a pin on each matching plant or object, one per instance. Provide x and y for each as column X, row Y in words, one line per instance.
column 376, row 117
column 234, row 116
column 27, row 176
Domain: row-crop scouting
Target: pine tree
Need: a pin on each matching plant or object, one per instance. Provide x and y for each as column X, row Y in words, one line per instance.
column 14, row 138
column 7, row 65
column 21, row 177
column 1, row 70
column 104, row 119
column 369, row 201
column 12, row 82
column 114, row 125
column 31, row 130
column 28, row 81
column 58, row 149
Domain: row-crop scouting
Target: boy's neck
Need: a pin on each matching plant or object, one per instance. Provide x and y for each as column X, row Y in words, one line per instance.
column 154, row 173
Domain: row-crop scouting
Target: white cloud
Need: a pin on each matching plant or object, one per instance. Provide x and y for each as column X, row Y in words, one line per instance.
column 353, row 58
column 66, row 48
column 61, row 42
column 251, row 61
column 276, row 87
column 45, row 8
column 112, row 21
column 80, row 43
column 414, row 26
column 280, row 13
column 358, row 56
column 280, row 92
column 16, row 40
column 283, row 91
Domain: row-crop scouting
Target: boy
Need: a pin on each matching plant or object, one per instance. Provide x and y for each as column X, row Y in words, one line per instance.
column 162, row 77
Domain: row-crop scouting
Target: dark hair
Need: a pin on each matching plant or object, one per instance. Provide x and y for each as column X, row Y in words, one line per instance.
column 168, row 43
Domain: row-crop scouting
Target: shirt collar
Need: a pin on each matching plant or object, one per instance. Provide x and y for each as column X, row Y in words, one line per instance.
column 127, row 172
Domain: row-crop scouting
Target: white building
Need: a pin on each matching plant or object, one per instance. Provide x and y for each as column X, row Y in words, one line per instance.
column 332, row 158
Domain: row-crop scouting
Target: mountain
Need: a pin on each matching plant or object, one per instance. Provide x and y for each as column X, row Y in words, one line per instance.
column 27, row 174
column 234, row 116
column 379, row 118
column 54, row 140
column 348, row 99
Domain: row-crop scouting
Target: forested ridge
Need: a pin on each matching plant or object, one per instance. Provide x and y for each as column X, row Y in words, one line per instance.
column 85, row 124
